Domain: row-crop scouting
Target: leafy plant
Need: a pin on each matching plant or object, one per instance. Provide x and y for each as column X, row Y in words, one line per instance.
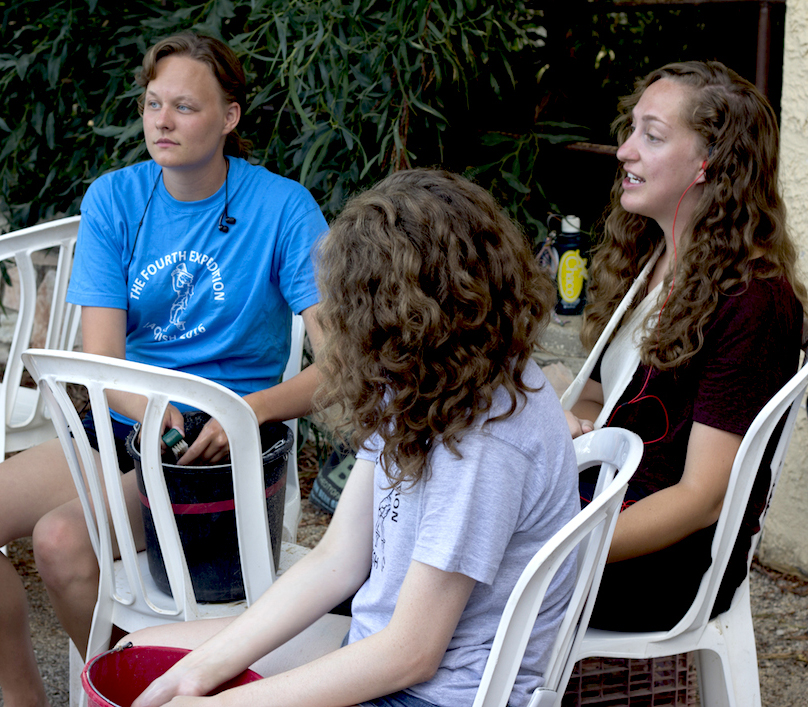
column 346, row 93
column 341, row 93
column 65, row 67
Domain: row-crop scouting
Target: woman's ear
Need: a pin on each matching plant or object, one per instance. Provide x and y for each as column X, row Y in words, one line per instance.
column 702, row 177
column 231, row 118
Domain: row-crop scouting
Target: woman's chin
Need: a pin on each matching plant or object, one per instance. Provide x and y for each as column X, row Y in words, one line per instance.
column 632, row 207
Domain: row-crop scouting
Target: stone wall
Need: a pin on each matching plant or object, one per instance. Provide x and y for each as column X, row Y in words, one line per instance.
column 785, row 537
column 45, row 264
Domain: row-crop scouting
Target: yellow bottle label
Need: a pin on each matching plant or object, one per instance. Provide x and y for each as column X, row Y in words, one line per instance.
column 571, row 274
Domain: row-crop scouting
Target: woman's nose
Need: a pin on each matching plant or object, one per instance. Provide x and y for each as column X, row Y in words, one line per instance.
column 162, row 120
column 626, row 151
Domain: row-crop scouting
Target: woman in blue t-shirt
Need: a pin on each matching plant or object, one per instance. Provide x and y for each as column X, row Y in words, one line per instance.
column 193, row 260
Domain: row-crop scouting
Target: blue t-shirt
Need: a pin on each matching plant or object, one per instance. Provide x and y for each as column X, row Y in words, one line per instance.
column 214, row 304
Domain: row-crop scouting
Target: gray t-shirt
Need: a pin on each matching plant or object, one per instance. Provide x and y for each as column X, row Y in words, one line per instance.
column 485, row 516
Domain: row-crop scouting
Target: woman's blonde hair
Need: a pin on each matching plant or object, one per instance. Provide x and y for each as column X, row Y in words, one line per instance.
column 740, row 216
column 431, row 301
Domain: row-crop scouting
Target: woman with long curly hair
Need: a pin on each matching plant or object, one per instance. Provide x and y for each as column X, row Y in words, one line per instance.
column 432, row 303
column 695, row 317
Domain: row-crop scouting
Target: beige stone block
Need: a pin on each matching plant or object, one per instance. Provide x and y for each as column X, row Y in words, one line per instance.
column 561, row 342
column 784, row 545
column 44, row 297
column 559, row 375
column 11, row 302
column 11, row 293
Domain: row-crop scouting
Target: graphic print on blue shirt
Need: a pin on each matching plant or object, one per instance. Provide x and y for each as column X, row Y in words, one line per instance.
column 184, row 283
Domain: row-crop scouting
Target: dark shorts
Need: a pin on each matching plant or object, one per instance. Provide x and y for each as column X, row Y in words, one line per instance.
column 120, row 431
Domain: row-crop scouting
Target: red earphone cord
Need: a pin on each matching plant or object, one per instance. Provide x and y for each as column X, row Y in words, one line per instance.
column 637, row 398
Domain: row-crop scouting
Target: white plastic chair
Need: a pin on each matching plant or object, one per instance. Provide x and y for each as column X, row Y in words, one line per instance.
column 591, row 532
column 26, row 421
column 726, row 657
column 293, row 510
column 127, row 595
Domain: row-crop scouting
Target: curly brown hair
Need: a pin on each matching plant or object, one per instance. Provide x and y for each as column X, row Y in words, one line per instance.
column 222, row 61
column 740, row 216
column 431, row 301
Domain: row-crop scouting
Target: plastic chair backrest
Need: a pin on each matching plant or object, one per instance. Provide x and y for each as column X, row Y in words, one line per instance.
column 784, row 407
column 619, row 452
column 21, row 408
column 292, row 505
column 99, row 374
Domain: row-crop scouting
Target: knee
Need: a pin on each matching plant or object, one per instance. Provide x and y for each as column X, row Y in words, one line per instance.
column 63, row 551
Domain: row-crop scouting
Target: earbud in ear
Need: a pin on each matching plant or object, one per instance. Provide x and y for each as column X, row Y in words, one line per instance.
column 704, row 165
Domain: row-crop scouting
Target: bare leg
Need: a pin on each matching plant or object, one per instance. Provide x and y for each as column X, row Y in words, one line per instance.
column 19, row 676
column 33, row 482
column 68, row 565
column 323, row 636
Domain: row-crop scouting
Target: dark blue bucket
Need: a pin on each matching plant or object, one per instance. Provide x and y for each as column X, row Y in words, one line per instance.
column 202, row 498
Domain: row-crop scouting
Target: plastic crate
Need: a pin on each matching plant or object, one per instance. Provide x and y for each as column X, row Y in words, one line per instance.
column 653, row 682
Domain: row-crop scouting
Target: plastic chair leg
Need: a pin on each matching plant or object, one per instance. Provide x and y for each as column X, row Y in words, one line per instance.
column 78, row 698
column 729, row 640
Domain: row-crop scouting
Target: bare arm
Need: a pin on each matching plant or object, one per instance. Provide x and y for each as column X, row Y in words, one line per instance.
column 285, row 401
column 330, row 573
column 583, row 414
column 669, row 515
column 103, row 332
column 406, row 652
column 291, row 398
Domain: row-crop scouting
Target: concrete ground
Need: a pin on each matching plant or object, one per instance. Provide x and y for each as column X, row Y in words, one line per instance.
column 779, row 606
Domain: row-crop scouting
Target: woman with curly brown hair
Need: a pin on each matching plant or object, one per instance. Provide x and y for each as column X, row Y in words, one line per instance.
column 695, row 318
column 432, row 304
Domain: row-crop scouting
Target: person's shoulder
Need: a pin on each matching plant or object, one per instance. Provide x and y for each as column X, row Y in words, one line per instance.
column 124, row 178
column 539, row 408
column 763, row 307
column 285, row 198
column 125, row 182
column 259, row 176
column 762, row 294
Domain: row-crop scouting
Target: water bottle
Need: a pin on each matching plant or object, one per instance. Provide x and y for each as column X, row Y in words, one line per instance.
column 570, row 245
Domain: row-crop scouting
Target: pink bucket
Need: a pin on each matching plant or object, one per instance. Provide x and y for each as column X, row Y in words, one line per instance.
column 117, row 677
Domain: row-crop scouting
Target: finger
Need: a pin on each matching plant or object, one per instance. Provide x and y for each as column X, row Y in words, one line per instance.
column 190, row 456
column 173, row 418
column 211, row 445
column 574, row 424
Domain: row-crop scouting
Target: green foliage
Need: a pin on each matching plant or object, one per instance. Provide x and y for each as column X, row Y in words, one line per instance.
column 345, row 87
column 342, row 93
column 512, row 175
column 66, row 68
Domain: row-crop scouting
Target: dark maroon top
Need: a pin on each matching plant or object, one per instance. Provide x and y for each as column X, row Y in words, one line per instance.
column 751, row 349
